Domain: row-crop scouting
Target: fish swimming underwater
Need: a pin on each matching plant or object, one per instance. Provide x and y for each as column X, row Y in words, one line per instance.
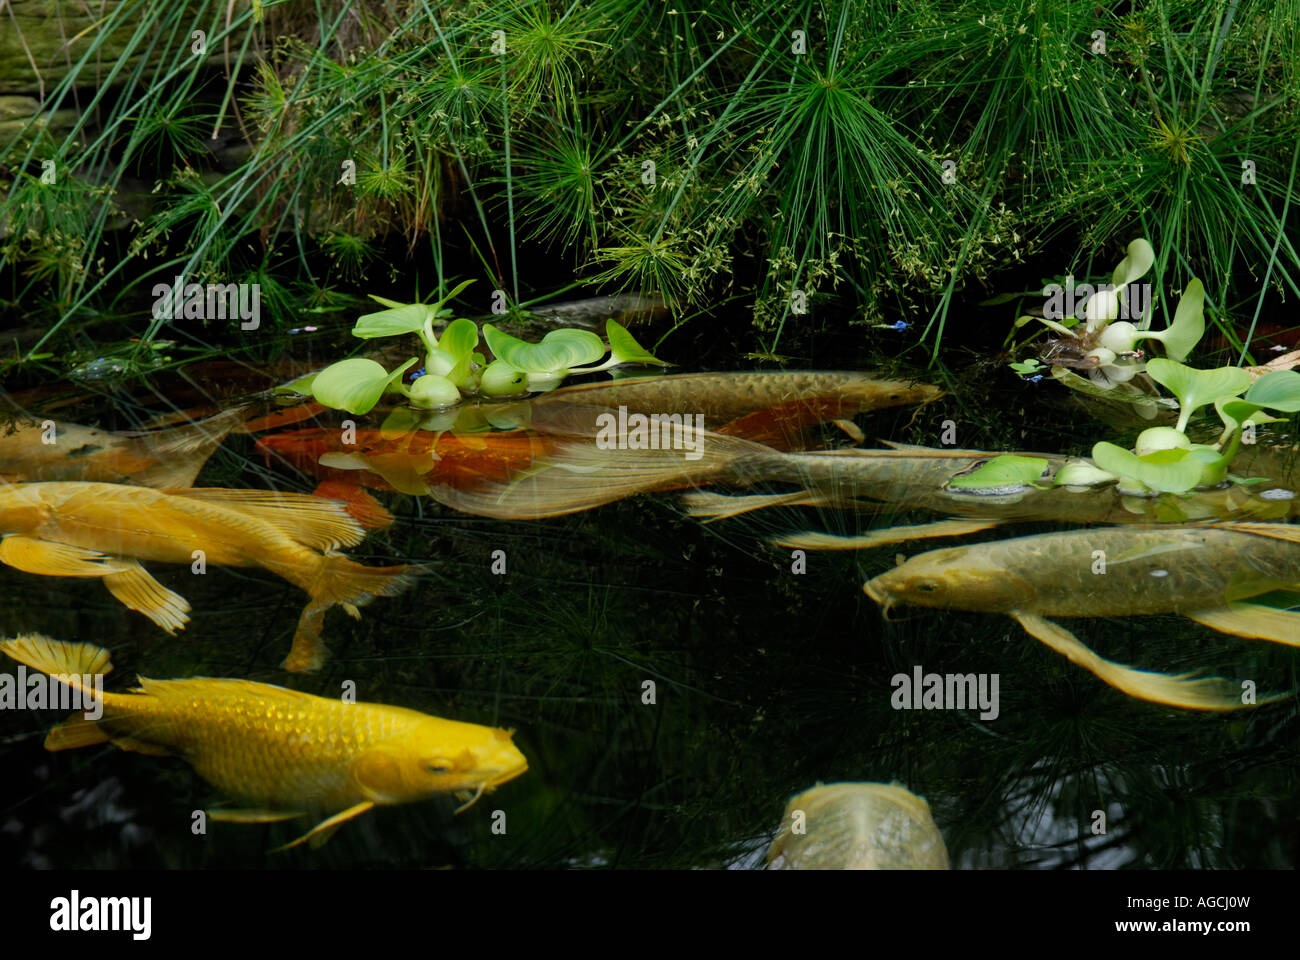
column 36, row 450
column 283, row 753
column 1202, row 573
column 769, row 407
column 407, row 461
column 103, row 530
column 858, row 826
column 578, row 474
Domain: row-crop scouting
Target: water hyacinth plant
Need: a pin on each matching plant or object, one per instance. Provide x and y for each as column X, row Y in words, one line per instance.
column 453, row 369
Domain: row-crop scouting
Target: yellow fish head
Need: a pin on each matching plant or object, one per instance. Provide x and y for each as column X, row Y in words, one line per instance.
column 952, row 579
column 439, row 756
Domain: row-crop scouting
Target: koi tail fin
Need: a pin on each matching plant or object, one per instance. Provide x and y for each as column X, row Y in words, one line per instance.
column 360, row 505
column 341, row 582
column 182, row 451
column 586, row 473
column 68, row 662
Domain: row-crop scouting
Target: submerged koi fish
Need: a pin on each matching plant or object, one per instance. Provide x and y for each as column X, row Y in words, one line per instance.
column 405, row 462
column 580, row 474
column 103, row 530
column 1202, row 573
column 858, row 826
column 35, row 450
column 283, row 753
column 770, row 407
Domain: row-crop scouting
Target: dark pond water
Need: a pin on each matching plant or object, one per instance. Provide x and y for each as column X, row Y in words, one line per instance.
column 766, row 681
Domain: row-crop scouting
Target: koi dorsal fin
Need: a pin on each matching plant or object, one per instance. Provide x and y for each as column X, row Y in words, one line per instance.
column 311, row 521
column 1276, row 531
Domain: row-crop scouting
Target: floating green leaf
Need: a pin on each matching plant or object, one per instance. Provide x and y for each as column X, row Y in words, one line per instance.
column 559, row 350
column 1007, row 471
column 1278, row 390
column 1195, row 388
column 460, row 338
column 623, row 347
column 1168, row 471
column 402, row 319
column 355, row 385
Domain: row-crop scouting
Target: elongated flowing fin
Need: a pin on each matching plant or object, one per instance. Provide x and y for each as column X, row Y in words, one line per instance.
column 719, row 506
column 1252, row 620
column 182, row 451
column 325, row 829
column 1276, row 531
column 136, row 588
column 811, row 540
column 1206, row 693
column 580, row 475
column 311, row 521
column 74, row 732
column 50, row 559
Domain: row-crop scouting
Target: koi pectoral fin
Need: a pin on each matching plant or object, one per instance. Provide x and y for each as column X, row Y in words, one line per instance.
column 252, row 815
column 55, row 559
column 136, row 589
column 1206, row 693
column 877, row 538
column 1252, row 620
column 325, row 829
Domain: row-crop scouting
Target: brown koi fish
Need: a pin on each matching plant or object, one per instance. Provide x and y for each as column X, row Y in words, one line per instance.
column 1203, row 573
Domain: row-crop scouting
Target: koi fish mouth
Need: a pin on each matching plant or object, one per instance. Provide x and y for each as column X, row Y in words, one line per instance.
column 488, row 784
column 884, row 598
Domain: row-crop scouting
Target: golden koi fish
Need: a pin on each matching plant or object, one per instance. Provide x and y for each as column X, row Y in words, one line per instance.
column 286, row 754
column 34, row 450
column 1202, row 573
column 103, row 530
column 858, row 826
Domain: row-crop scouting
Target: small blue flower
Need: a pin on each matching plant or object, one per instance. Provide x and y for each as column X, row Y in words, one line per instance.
column 418, row 374
column 1035, row 378
column 900, row 325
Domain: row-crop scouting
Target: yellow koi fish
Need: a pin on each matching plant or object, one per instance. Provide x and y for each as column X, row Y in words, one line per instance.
column 858, row 826
column 1203, row 573
column 285, row 754
column 103, row 530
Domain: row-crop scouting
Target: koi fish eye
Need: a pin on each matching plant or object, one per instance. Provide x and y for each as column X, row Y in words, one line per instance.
column 926, row 586
column 439, row 766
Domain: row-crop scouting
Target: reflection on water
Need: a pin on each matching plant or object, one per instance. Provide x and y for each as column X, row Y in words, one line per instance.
column 672, row 685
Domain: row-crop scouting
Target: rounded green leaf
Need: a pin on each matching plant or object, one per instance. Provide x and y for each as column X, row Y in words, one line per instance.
column 459, row 338
column 355, row 385
column 558, row 351
column 1195, row 388
column 1279, row 390
column 1141, row 255
column 1168, row 471
column 1188, row 326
